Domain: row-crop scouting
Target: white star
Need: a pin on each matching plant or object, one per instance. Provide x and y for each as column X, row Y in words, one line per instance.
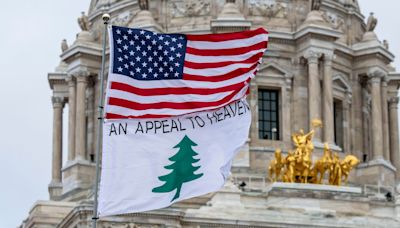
column 132, row 63
column 160, row 58
column 156, row 64
column 143, row 42
column 153, row 42
column 176, row 74
column 130, row 31
column 119, row 50
column 131, row 73
column 165, row 63
column 144, row 64
column 178, row 55
column 142, row 32
column 166, row 75
column 125, row 37
column 137, row 69
column 165, row 52
column 125, row 56
column 131, row 42
column 160, row 69
column 137, row 48
column 155, row 75
column 150, row 59
column 131, row 53
column 173, row 39
column 155, row 53
column 120, row 59
column 144, row 53
column 166, row 43
column 172, row 48
column 136, row 36
column 180, row 45
column 177, row 64
column 118, row 31
column 119, row 41
column 181, row 37
column 125, row 47
column 149, row 47
column 148, row 36
column 150, row 70
column 160, row 37
column 120, row 69
column 171, row 58
column 159, row 47
column 137, row 59
column 126, row 66
column 170, row 69
column 144, row 75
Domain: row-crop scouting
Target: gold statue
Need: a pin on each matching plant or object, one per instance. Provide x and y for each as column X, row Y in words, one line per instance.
column 297, row 166
column 323, row 164
column 276, row 166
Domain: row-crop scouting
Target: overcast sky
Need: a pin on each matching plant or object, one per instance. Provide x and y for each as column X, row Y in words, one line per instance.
column 29, row 49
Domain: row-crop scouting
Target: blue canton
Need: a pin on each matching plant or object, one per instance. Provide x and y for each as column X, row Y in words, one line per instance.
column 146, row 55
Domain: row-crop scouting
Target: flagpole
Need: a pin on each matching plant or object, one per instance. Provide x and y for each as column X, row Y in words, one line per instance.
column 106, row 19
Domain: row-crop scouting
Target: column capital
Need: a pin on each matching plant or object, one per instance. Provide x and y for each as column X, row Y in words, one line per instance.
column 375, row 80
column 393, row 102
column 328, row 58
column 312, row 56
column 376, row 72
column 58, row 102
column 70, row 79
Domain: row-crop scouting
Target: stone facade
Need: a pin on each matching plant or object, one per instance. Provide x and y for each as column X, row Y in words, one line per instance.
column 324, row 62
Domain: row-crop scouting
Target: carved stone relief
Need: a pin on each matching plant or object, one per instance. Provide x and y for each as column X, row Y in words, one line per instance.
column 189, row 14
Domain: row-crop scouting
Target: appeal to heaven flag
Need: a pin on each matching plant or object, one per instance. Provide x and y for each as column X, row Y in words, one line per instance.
column 175, row 115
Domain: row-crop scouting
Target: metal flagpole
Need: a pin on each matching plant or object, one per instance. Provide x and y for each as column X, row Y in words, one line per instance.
column 106, row 19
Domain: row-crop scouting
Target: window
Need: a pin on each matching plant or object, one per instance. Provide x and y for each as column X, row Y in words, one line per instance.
column 268, row 114
column 338, row 121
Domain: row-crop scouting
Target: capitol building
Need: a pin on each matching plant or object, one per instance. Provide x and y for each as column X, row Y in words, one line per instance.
column 324, row 61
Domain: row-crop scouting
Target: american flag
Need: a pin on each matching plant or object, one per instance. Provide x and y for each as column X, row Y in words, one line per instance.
column 161, row 75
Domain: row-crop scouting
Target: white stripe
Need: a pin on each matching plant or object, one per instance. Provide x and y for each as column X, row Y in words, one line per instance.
column 177, row 83
column 216, row 71
column 167, row 98
column 206, row 45
column 216, row 59
column 167, row 111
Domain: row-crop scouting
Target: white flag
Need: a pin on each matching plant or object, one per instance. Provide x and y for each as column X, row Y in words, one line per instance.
column 151, row 163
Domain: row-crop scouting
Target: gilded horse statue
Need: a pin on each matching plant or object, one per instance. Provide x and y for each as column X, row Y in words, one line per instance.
column 347, row 164
column 323, row 164
column 276, row 165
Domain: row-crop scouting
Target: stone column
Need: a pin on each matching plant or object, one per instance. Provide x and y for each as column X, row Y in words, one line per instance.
column 314, row 90
column 376, row 110
column 71, row 117
column 58, row 105
column 394, row 134
column 327, row 91
column 385, row 124
column 80, row 128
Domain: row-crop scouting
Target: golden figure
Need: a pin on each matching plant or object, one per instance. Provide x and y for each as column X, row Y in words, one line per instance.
column 290, row 162
column 323, row 164
column 275, row 166
column 298, row 166
column 347, row 165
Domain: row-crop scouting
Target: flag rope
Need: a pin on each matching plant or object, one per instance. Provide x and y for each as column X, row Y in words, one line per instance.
column 106, row 19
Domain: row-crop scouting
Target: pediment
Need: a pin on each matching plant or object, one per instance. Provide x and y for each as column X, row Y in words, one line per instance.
column 340, row 83
column 275, row 70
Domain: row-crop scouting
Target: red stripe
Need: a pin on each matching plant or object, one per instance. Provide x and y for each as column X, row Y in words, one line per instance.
column 226, row 36
column 172, row 105
column 218, row 78
column 253, row 59
column 147, row 116
column 173, row 91
column 227, row 51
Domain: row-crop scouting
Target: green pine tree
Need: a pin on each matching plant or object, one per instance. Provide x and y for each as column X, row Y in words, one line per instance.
column 182, row 168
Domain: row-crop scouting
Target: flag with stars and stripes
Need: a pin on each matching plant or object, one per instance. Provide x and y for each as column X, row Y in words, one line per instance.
column 156, row 75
